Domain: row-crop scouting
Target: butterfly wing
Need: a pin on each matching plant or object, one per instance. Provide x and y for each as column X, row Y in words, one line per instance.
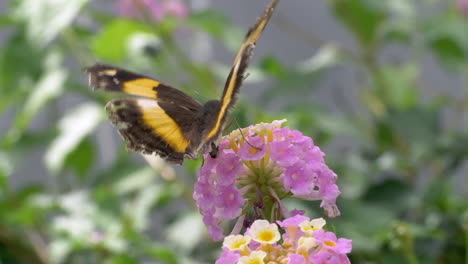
column 153, row 127
column 159, row 120
column 110, row 78
column 237, row 73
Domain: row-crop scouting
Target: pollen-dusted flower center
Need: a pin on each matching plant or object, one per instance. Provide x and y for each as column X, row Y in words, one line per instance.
column 330, row 243
column 237, row 244
column 267, row 235
column 309, row 228
column 255, row 261
column 255, row 257
column 253, row 151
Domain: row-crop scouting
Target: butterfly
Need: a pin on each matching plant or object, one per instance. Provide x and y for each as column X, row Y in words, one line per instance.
column 165, row 121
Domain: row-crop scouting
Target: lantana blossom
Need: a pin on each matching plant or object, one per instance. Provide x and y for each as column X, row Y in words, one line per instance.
column 256, row 168
column 318, row 247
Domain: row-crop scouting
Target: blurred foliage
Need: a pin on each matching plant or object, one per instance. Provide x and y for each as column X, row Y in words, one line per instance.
column 401, row 156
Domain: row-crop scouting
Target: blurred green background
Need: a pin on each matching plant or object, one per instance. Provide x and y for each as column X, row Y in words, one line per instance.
column 381, row 86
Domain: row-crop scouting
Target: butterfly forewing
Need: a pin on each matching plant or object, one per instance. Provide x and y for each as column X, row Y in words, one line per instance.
column 239, row 66
column 110, row 78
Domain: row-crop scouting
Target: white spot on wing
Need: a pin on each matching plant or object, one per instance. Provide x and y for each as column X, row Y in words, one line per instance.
column 110, row 72
column 147, row 103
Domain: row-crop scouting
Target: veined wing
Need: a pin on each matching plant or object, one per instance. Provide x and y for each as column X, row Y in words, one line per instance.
column 237, row 73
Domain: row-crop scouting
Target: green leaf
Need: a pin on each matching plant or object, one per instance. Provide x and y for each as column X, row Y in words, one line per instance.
column 112, row 44
column 362, row 17
column 73, row 128
column 399, row 86
column 404, row 21
column 6, row 20
column 82, row 158
column 448, row 38
column 272, row 65
column 24, row 207
column 449, row 50
column 164, row 254
column 122, row 259
column 45, row 19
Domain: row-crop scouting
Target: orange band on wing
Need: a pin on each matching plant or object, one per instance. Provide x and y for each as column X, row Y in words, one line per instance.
column 163, row 125
column 143, row 87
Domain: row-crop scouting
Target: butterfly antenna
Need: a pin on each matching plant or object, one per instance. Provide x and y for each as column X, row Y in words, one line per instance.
column 243, row 136
column 228, row 126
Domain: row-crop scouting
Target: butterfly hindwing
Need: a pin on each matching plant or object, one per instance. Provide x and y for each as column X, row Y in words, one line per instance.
column 149, row 126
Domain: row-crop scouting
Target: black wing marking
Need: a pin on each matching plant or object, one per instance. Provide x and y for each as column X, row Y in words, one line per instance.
column 150, row 127
column 115, row 79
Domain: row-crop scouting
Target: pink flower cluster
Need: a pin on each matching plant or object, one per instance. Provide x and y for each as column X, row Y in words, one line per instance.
column 256, row 168
column 157, row 9
column 303, row 241
column 463, row 6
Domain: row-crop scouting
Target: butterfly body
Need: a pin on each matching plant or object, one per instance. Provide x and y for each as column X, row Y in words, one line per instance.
column 165, row 121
